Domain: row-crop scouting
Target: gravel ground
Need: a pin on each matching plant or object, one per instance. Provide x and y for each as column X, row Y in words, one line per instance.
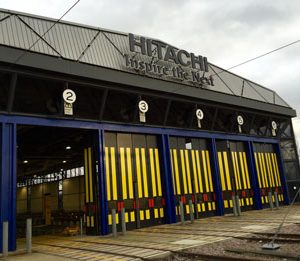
column 220, row 248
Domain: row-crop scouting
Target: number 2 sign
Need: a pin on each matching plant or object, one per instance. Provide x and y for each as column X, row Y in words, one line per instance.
column 69, row 96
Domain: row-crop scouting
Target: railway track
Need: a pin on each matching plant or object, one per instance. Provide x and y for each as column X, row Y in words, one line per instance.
column 283, row 237
column 96, row 247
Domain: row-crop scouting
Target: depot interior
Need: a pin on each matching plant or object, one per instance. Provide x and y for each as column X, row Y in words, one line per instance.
column 50, row 177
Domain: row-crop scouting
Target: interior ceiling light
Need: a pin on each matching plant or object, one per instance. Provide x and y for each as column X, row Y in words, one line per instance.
column 64, row 161
column 68, row 147
column 25, row 161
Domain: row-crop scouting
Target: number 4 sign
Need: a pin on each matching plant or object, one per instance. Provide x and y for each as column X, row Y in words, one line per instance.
column 69, row 97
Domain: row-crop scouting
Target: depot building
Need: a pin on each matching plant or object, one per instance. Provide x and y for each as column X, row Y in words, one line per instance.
column 96, row 122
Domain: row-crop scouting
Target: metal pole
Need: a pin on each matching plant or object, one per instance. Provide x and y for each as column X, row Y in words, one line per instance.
column 29, row 235
column 234, row 206
column 123, row 221
column 271, row 245
column 238, row 206
column 276, row 199
column 195, row 201
column 81, row 227
column 181, row 212
column 114, row 223
column 270, row 200
column 5, row 239
column 191, row 211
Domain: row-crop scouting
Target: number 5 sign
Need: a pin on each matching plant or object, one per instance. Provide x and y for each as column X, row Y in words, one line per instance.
column 69, row 97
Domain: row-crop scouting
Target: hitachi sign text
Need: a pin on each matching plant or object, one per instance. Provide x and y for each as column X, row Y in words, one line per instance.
column 167, row 53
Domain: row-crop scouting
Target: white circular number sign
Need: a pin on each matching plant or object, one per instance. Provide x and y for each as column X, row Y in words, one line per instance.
column 274, row 125
column 199, row 114
column 143, row 106
column 69, row 96
column 240, row 120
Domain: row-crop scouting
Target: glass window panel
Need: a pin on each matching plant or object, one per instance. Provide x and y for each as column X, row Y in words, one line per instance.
column 120, row 106
column 156, row 111
column 284, row 127
column 208, row 117
column 4, row 88
column 260, row 126
column 226, row 120
column 291, row 170
column 288, row 149
column 88, row 101
column 38, row 96
column 181, row 114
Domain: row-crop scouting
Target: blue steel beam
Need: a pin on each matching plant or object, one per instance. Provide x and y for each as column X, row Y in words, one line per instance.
column 102, row 185
column 253, row 175
column 282, row 175
column 165, row 159
column 77, row 123
column 216, row 177
column 8, row 183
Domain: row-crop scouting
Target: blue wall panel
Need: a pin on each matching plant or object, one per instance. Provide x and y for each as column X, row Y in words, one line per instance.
column 216, row 177
column 103, row 206
column 253, row 175
column 8, row 182
column 168, row 193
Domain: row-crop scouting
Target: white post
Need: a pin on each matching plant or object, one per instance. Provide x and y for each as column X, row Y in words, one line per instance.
column 270, row 200
column 234, row 206
column 181, row 212
column 123, row 221
column 114, row 222
column 5, row 239
column 29, row 235
column 191, row 211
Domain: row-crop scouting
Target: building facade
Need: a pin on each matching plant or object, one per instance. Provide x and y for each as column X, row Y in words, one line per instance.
column 151, row 126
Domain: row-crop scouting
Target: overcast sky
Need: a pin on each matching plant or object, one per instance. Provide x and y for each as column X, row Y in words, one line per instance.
column 228, row 32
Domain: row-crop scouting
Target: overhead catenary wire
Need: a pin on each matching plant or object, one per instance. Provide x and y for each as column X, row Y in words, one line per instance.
column 47, row 31
column 249, row 60
column 257, row 57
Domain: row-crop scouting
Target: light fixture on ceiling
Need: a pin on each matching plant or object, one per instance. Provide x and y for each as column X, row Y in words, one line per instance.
column 64, row 161
column 25, row 161
column 68, row 147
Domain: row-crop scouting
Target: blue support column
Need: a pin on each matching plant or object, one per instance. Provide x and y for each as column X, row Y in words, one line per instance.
column 282, row 175
column 8, row 182
column 103, row 206
column 253, row 175
column 167, row 179
column 216, row 177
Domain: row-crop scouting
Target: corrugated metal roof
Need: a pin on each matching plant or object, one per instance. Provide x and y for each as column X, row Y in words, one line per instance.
column 106, row 48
